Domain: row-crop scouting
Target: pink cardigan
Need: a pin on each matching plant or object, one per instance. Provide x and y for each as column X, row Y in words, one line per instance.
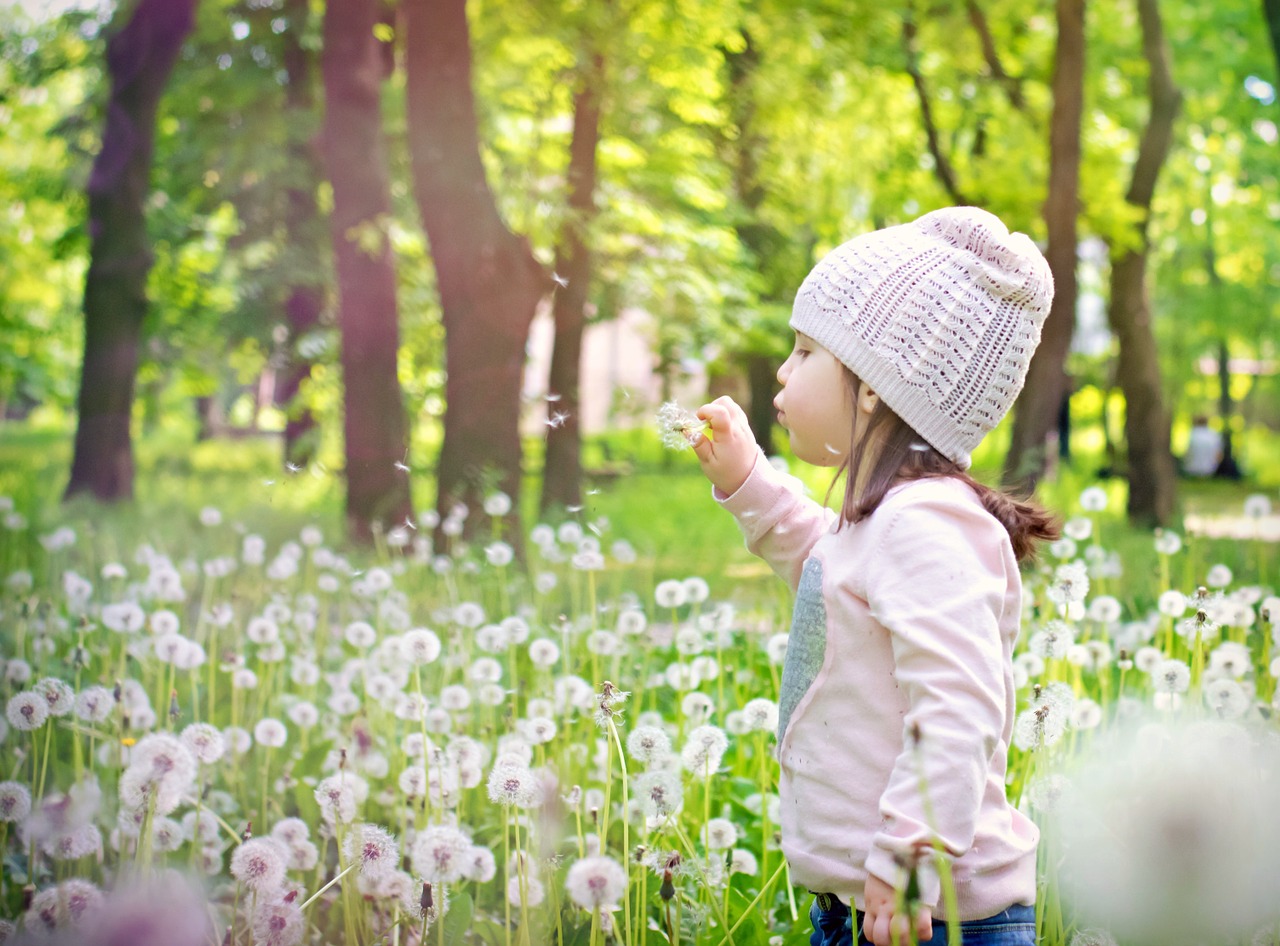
column 904, row 622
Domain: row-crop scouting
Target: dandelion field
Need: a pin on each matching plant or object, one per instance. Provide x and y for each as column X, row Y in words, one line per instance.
column 225, row 734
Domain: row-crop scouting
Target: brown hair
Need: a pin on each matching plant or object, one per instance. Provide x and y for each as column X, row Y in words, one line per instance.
column 905, row 456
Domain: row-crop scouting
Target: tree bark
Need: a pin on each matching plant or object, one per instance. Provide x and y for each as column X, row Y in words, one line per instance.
column 562, row 470
column 302, row 223
column 759, row 237
column 488, row 279
column 140, row 59
column 1152, row 472
column 374, row 423
column 1271, row 11
column 1037, row 407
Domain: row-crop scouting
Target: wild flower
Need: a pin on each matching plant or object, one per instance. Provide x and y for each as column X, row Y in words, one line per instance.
column 259, row 863
column 512, row 783
column 1104, row 609
column 1165, row 818
column 1171, row 676
column 660, row 792
column 439, row 854
column 670, row 594
column 1167, row 542
column 27, row 711
column 373, row 848
column 697, row 707
column 719, row 834
column 596, row 883
column 1052, row 640
column 337, row 796
column 279, row 922
column 1070, row 584
column 270, row 732
column 680, row 429
column 704, row 750
column 761, row 715
column 544, row 652
column 776, row 649
column 94, row 704
column 1093, row 499
column 1219, row 576
column 1045, row 720
column 1226, row 698
column 1172, row 603
column 15, row 802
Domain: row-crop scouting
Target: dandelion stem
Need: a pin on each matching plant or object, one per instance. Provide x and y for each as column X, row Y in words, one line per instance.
column 337, row 877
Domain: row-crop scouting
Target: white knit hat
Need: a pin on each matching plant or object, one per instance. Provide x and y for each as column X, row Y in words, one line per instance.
column 939, row 316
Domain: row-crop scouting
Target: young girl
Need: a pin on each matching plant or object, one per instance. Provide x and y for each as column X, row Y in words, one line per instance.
column 897, row 698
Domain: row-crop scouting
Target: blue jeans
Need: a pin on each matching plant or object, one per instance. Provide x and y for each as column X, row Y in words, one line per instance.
column 835, row 925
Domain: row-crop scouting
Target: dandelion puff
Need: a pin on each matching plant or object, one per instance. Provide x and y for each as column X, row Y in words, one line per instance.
column 1166, row 818
column 1171, row 676
column 648, row 744
column 704, row 750
column 278, row 922
column 530, row 893
column 719, row 834
column 1226, row 698
column 374, row 848
column 596, row 883
column 270, row 732
column 680, row 428
column 259, row 863
column 439, row 854
column 479, row 864
column 1092, row 937
column 660, row 792
column 511, row 783
column 27, row 711
column 58, row 694
column 206, row 742
column 15, row 802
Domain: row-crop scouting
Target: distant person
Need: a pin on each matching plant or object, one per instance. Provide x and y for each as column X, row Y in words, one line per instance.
column 1204, row 449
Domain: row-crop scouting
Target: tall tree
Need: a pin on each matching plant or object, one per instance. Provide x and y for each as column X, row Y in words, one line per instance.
column 1036, row 410
column 1271, row 10
column 562, row 471
column 374, row 422
column 1152, row 475
column 488, row 279
column 140, row 58
column 305, row 300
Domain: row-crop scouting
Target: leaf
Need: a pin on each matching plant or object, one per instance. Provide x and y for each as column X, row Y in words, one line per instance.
column 457, row 921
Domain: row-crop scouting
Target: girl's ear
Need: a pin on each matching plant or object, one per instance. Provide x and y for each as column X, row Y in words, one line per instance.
column 867, row 400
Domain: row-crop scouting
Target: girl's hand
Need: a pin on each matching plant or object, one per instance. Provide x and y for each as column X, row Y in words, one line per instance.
column 730, row 452
column 881, row 925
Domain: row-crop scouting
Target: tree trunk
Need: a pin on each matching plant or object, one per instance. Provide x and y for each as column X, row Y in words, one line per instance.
column 562, row 471
column 140, row 58
column 302, row 241
column 1037, row 408
column 759, row 237
column 374, row 422
column 1152, row 473
column 1271, row 10
column 488, row 279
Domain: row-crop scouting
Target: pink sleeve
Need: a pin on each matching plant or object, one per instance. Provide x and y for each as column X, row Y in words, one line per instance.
column 779, row 522
column 939, row 582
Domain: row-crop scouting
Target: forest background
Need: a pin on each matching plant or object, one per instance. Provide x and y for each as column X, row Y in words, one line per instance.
column 338, row 223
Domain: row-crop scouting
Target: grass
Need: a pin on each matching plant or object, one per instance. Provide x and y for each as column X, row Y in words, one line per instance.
column 313, row 637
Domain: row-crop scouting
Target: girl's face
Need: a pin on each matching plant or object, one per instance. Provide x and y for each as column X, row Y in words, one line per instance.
column 814, row 405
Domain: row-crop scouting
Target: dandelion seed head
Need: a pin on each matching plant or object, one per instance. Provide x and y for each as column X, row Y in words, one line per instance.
column 595, row 883
column 680, row 429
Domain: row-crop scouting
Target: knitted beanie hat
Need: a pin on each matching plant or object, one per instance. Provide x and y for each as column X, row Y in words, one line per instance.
column 939, row 317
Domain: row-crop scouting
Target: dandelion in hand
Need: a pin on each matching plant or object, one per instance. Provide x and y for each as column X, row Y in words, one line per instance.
column 680, row 428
